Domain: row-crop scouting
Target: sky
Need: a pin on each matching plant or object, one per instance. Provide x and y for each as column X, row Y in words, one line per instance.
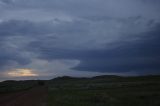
column 43, row 39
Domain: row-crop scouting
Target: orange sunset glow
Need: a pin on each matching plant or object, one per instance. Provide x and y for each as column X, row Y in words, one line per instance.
column 22, row 73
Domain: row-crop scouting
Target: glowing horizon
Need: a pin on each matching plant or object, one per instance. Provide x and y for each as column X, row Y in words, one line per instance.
column 22, row 73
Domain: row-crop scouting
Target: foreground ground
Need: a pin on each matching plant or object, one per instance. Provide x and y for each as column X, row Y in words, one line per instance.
column 105, row 91
column 97, row 91
column 32, row 97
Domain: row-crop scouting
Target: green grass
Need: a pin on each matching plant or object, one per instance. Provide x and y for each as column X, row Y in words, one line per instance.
column 16, row 86
column 98, row 91
column 77, row 98
column 104, row 92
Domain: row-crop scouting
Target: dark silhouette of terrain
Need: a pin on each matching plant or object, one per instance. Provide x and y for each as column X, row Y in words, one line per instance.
column 106, row 90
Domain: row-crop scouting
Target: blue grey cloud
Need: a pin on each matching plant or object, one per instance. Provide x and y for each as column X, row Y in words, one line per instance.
column 105, row 36
column 7, row 1
column 141, row 56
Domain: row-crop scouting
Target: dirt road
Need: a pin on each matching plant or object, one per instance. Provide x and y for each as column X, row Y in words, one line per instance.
column 33, row 97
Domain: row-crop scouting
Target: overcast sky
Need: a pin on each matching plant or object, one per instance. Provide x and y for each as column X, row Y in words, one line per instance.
column 42, row 39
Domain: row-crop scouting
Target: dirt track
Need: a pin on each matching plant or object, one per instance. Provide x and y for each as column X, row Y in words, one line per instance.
column 33, row 97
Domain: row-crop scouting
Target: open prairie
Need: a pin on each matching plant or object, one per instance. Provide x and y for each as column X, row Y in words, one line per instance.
column 96, row 91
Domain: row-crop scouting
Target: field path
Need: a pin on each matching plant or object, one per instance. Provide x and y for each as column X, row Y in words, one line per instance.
column 33, row 97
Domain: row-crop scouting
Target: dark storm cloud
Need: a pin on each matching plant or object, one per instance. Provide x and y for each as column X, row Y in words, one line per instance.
column 9, row 57
column 7, row 1
column 22, row 28
column 104, row 36
column 14, row 35
column 141, row 56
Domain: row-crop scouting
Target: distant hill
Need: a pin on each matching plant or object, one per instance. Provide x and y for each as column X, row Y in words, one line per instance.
column 68, row 78
column 106, row 77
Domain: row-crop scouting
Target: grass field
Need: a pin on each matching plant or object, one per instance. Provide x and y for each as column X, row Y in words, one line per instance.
column 97, row 91
column 105, row 91
column 16, row 86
